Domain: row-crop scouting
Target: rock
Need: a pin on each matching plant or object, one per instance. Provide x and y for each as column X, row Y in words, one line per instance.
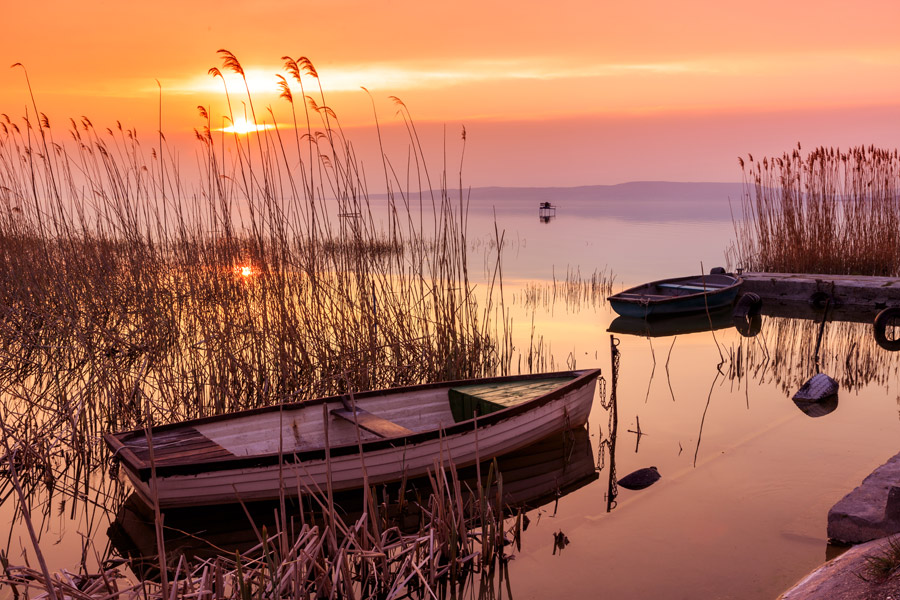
column 892, row 508
column 870, row 511
column 842, row 578
column 640, row 479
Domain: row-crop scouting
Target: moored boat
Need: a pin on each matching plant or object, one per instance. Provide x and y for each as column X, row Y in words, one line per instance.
column 372, row 437
column 533, row 476
column 677, row 296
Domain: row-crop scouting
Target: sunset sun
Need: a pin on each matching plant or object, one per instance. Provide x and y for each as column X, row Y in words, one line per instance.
column 243, row 126
column 386, row 300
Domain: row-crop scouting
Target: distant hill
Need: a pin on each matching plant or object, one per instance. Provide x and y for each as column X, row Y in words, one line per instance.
column 634, row 190
column 634, row 201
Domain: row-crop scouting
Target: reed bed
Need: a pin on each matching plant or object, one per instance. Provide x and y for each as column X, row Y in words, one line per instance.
column 575, row 291
column 134, row 291
column 461, row 550
column 829, row 211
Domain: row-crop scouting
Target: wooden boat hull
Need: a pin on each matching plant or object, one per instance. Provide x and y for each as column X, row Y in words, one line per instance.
column 682, row 295
column 223, row 476
column 532, row 476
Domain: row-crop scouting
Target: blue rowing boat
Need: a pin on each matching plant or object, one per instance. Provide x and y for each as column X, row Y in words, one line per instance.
column 678, row 296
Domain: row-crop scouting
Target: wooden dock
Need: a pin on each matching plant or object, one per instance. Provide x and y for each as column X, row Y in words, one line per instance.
column 866, row 293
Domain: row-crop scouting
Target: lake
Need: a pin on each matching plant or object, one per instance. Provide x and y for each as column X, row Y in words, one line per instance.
column 747, row 477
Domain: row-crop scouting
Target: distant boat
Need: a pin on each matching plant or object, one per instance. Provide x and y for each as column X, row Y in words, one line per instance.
column 386, row 435
column 678, row 296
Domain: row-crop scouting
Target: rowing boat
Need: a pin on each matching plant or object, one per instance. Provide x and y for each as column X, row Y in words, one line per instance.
column 347, row 441
column 681, row 295
column 533, row 476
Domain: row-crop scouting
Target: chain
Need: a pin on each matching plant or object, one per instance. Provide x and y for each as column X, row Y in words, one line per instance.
column 608, row 443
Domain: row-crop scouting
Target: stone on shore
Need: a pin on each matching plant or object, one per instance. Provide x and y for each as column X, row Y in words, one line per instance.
column 845, row 578
column 872, row 510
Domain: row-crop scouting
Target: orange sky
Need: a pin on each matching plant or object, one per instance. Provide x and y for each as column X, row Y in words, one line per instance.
column 561, row 93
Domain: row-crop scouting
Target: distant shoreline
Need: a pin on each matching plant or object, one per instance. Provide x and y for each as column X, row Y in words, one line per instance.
column 632, row 190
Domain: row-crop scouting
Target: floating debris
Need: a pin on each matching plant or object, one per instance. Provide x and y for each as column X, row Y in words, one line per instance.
column 560, row 541
column 819, row 387
column 640, row 479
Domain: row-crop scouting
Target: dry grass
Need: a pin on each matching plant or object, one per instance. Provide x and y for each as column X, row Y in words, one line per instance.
column 830, row 211
column 460, row 550
column 134, row 292
column 574, row 292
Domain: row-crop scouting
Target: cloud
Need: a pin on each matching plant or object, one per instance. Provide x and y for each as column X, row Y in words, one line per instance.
column 401, row 76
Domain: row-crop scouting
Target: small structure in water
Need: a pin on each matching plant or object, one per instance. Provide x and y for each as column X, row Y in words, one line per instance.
column 546, row 211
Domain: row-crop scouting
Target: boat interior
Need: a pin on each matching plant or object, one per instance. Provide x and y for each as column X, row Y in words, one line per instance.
column 679, row 287
column 299, row 427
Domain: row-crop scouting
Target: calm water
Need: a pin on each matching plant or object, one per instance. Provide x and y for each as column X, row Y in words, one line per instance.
column 747, row 477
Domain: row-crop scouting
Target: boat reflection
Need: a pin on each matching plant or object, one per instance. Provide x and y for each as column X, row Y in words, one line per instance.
column 532, row 477
column 669, row 326
column 818, row 409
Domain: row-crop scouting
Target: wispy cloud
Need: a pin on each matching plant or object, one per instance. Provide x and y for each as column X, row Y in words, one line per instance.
column 401, row 76
column 410, row 76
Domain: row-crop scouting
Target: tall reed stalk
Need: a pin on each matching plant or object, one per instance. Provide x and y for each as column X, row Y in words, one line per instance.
column 829, row 211
column 134, row 290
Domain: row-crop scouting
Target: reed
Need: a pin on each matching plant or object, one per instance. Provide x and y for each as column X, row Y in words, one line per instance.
column 576, row 291
column 885, row 565
column 829, row 211
column 459, row 545
column 133, row 290
column 783, row 352
column 460, row 549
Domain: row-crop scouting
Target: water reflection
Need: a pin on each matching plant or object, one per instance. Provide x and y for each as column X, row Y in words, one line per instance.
column 785, row 350
column 546, row 211
column 787, row 343
column 678, row 325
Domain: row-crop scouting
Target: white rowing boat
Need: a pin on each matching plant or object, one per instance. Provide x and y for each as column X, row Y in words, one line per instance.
column 540, row 473
column 376, row 436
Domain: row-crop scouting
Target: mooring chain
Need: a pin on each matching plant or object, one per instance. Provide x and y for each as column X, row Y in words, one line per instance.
column 607, row 443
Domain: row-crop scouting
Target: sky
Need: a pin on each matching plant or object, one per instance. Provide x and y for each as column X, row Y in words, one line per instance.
column 550, row 94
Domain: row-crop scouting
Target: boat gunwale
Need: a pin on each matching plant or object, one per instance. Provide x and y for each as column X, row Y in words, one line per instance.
column 142, row 468
column 669, row 298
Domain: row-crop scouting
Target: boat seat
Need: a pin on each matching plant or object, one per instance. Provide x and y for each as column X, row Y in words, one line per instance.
column 648, row 296
column 372, row 423
column 691, row 287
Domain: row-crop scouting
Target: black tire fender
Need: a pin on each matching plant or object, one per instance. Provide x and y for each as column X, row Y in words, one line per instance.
column 819, row 299
column 748, row 305
column 882, row 320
